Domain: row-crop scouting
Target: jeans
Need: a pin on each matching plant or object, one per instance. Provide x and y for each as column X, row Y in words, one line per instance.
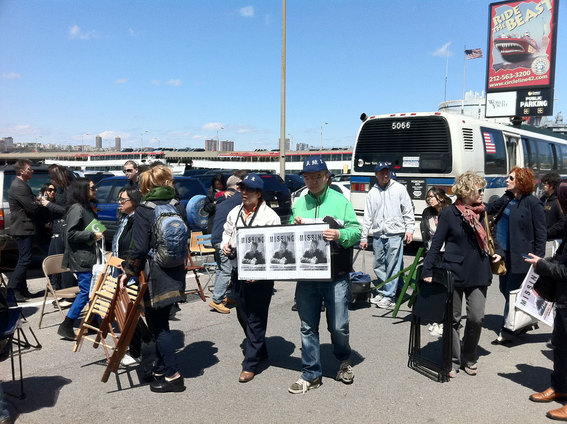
column 388, row 260
column 4, row 413
column 223, row 273
column 508, row 282
column 309, row 295
column 18, row 277
column 158, row 322
column 82, row 298
column 465, row 352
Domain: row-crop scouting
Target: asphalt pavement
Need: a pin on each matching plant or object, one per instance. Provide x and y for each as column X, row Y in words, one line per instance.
column 65, row 387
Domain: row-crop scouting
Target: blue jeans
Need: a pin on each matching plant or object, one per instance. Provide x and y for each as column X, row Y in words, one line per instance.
column 223, row 273
column 82, row 298
column 18, row 280
column 309, row 295
column 388, row 261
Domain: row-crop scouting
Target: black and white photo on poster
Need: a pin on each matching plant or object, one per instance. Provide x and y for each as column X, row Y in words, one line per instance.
column 253, row 250
column 281, row 250
column 286, row 252
column 314, row 256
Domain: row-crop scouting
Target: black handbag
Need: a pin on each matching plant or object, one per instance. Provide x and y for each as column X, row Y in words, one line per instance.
column 545, row 288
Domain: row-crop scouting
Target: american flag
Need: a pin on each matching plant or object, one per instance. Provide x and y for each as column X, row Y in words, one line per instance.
column 473, row 53
column 489, row 143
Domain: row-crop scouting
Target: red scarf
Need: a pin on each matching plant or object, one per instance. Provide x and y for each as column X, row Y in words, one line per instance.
column 471, row 215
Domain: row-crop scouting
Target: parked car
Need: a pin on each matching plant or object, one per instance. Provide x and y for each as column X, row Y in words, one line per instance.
column 7, row 175
column 335, row 186
column 294, row 181
column 107, row 195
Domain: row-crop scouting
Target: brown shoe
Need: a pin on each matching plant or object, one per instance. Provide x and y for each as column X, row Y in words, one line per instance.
column 219, row 307
column 228, row 301
column 245, row 376
column 547, row 396
column 558, row 414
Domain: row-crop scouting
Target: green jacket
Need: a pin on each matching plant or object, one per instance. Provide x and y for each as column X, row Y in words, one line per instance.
column 333, row 204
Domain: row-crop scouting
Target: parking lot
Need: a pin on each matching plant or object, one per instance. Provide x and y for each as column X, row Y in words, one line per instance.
column 65, row 387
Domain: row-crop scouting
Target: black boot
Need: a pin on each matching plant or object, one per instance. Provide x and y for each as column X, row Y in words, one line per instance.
column 65, row 330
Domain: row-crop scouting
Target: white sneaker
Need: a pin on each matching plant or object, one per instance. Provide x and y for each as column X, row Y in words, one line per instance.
column 302, row 386
column 376, row 299
column 129, row 361
column 345, row 374
column 386, row 303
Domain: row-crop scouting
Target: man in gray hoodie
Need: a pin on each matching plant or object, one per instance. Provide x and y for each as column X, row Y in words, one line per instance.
column 389, row 219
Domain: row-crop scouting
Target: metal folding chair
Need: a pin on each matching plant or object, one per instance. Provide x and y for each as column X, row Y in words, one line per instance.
column 210, row 267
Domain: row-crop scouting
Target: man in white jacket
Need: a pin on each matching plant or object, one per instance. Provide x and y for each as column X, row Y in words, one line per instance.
column 389, row 219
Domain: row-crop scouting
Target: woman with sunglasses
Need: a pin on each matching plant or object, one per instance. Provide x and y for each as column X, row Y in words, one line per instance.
column 520, row 229
column 80, row 247
column 461, row 230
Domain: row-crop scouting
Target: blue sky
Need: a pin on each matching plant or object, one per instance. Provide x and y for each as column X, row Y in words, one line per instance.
column 181, row 70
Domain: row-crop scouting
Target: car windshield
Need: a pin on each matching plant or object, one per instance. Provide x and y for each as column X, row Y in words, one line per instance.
column 39, row 179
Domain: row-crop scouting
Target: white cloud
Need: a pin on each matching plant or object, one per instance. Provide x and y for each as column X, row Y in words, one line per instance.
column 111, row 135
column 212, row 126
column 245, row 129
column 131, row 32
column 11, row 75
column 76, row 33
column 247, row 12
column 23, row 129
column 121, row 81
column 443, row 51
column 175, row 82
column 155, row 82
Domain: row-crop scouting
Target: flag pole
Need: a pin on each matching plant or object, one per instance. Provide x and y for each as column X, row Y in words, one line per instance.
column 464, row 80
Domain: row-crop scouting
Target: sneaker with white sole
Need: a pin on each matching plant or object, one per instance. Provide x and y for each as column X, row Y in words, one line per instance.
column 129, row 361
column 345, row 374
column 386, row 303
column 376, row 299
column 302, row 386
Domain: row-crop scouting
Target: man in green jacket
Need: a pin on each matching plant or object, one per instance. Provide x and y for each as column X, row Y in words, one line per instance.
column 320, row 205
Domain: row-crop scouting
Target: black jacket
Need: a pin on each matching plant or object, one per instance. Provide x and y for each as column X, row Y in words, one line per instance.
column 556, row 268
column 80, row 246
column 553, row 213
column 57, row 209
column 463, row 256
column 126, row 240
column 23, row 209
column 528, row 232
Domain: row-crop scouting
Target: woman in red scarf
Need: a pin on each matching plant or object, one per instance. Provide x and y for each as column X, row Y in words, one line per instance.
column 461, row 229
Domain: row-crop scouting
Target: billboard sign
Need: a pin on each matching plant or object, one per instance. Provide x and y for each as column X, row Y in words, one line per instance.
column 521, row 45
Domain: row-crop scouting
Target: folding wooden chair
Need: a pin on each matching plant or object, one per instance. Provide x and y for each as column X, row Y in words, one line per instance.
column 99, row 305
column 206, row 248
column 191, row 267
column 126, row 311
column 52, row 266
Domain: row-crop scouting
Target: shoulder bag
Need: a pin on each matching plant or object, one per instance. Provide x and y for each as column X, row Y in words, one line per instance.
column 498, row 268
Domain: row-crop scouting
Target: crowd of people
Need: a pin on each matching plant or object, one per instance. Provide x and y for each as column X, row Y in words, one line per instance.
column 454, row 233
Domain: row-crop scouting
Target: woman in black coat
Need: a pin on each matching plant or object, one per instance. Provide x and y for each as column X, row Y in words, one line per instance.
column 461, row 229
column 556, row 269
column 520, row 228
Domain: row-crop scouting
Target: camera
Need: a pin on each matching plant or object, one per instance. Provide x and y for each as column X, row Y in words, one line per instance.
column 232, row 254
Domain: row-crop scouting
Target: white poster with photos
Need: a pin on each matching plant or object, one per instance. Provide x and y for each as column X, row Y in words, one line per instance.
column 284, row 252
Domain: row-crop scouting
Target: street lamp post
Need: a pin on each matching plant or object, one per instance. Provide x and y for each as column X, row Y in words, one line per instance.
column 290, row 141
column 83, row 141
column 322, row 125
column 218, row 139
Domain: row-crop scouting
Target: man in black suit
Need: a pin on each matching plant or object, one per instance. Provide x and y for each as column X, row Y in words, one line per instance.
column 23, row 210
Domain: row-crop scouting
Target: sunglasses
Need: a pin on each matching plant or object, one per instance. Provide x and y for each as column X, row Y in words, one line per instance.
column 480, row 191
column 510, row 177
column 122, row 200
column 92, row 188
column 127, row 171
column 50, row 189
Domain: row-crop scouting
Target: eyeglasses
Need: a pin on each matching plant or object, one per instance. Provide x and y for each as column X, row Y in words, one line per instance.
column 480, row 191
column 123, row 200
column 50, row 189
column 127, row 171
column 510, row 177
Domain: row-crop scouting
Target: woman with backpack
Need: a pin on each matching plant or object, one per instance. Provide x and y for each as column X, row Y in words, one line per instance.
column 160, row 244
column 80, row 247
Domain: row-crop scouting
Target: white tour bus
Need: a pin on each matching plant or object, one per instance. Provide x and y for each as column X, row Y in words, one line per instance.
column 429, row 149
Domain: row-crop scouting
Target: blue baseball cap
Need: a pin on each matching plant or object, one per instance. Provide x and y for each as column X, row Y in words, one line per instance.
column 381, row 165
column 253, row 181
column 314, row 164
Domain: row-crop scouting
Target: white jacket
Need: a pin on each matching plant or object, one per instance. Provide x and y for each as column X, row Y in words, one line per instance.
column 265, row 216
column 388, row 211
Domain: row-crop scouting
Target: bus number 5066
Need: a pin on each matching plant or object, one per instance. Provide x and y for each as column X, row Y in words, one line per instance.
column 404, row 125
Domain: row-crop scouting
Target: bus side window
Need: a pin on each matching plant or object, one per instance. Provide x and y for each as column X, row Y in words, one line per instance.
column 494, row 151
column 545, row 156
column 562, row 167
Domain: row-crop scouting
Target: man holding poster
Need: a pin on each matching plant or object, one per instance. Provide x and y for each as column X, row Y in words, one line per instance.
column 321, row 205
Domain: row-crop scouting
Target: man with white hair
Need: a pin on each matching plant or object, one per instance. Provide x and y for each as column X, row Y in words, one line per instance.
column 225, row 204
